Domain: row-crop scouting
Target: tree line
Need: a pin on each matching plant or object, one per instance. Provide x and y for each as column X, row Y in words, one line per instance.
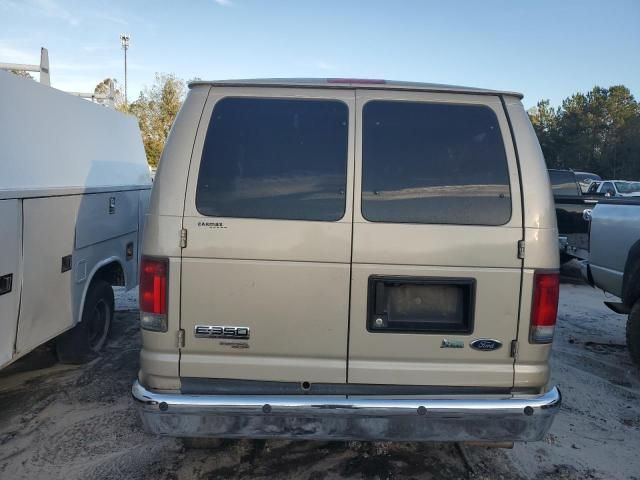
column 597, row 131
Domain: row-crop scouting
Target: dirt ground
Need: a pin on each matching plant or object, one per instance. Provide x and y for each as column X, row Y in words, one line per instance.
column 72, row 422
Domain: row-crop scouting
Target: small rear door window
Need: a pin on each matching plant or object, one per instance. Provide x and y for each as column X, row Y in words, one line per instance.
column 275, row 159
column 433, row 163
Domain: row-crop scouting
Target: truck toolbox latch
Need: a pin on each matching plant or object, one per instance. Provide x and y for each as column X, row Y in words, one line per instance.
column 6, row 282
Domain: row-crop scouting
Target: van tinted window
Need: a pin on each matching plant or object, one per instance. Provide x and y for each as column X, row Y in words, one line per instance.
column 275, row 158
column 433, row 163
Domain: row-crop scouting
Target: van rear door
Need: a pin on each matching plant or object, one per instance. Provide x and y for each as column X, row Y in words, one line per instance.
column 266, row 270
column 436, row 276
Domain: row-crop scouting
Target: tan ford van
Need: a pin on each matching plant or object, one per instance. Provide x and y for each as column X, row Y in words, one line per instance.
column 349, row 259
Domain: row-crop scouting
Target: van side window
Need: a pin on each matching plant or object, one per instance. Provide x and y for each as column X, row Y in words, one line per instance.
column 276, row 159
column 433, row 163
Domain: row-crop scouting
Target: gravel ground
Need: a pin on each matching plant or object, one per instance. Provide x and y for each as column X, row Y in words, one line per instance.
column 60, row 421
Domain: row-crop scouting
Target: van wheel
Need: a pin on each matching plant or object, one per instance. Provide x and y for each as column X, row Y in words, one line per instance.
column 633, row 333
column 201, row 443
column 83, row 342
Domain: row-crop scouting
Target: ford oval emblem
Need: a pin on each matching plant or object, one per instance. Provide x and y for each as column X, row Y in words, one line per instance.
column 485, row 344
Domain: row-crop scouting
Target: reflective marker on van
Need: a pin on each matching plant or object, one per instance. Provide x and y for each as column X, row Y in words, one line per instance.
column 544, row 309
column 153, row 294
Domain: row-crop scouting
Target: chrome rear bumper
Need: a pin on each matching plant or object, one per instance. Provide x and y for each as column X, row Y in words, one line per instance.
column 517, row 418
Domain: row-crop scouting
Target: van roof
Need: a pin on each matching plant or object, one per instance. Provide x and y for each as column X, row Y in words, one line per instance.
column 351, row 83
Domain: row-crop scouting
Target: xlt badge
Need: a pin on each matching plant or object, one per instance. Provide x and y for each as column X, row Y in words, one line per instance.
column 214, row 331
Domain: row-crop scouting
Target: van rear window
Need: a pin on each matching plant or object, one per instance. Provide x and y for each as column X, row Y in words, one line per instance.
column 433, row 163
column 275, row 159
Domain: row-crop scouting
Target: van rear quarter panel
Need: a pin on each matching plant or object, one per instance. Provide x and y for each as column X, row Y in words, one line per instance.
column 541, row 243
column 159, row 358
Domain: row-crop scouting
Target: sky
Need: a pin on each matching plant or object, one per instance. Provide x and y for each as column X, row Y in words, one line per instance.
column 544, row 49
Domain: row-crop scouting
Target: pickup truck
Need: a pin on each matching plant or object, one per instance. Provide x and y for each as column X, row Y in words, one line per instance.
column 570, row 205
column 614, row 263
column 615, row 188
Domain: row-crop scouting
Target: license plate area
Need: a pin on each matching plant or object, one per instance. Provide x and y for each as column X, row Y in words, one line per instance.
column 398, row 304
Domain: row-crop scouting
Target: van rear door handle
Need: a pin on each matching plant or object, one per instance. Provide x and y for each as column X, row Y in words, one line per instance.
column 6, row 283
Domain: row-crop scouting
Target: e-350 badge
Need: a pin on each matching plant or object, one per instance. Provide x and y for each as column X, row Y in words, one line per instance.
column 214, row 331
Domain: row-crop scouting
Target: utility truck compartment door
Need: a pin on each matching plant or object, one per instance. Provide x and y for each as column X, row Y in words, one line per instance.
column 46, row 306
column 106, row 215
column 10, row 272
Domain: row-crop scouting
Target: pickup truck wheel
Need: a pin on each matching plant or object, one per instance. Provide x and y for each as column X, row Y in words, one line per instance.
column 633, row 333
column 83, row 342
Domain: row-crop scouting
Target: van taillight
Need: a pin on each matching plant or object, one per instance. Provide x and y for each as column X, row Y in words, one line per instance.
column 544, row 309
column 153, row 294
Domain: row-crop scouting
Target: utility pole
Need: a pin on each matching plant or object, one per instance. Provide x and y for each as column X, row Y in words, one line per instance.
column 124, row 41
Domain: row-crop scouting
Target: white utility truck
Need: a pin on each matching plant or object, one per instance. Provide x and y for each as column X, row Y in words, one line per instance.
column 74, row 187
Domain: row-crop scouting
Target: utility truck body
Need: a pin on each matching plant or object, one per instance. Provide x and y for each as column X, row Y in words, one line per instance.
column 74, row 186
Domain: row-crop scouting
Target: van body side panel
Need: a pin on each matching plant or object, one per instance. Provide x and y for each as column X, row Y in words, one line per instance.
column 485, row 256
column 160, row 355
column 541, row 244
column 286, row 280
column 532, row 368
column 10, row 273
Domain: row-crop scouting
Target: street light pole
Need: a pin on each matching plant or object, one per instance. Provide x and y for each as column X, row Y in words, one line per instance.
column 124, row 41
